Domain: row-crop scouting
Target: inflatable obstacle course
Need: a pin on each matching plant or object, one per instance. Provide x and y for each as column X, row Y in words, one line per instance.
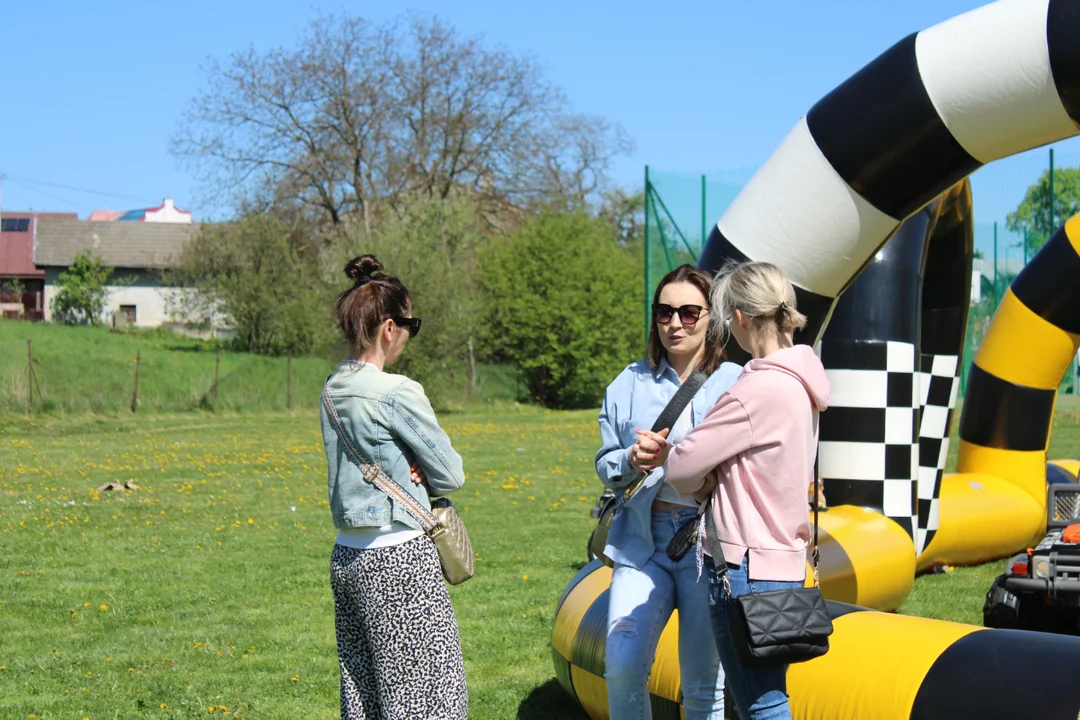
column 869, row 188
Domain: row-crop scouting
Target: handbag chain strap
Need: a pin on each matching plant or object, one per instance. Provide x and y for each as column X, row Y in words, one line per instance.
column 375, row 475
column 816, row 554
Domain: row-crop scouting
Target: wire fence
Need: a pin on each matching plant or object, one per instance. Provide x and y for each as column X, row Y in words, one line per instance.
column 43, row 377
column 680, row 210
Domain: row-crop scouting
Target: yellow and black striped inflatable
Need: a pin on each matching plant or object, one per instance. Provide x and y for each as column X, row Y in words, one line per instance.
column 880, row 666
column 996, row 503
column 577, row 645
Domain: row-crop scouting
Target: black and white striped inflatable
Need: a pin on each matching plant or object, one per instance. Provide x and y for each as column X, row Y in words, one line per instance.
column 940, row 103
column 891, row 352
column 874, row 152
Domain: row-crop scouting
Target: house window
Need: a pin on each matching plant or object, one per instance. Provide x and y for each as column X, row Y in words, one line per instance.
column 127, row 315
column 14, row 224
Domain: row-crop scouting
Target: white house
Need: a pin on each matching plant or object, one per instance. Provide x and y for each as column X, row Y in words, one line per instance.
column 136, row 251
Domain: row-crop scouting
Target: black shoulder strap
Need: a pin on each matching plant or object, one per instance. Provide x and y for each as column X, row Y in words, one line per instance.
column 678, row 403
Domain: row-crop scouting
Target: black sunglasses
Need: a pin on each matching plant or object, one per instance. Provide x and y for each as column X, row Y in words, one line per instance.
column 688, row 314
column 412, row 323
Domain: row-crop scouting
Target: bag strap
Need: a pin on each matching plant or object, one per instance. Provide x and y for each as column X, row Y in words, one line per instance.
column 374, row 474
column 815, row 554
column 678, row 403
column 668, row 416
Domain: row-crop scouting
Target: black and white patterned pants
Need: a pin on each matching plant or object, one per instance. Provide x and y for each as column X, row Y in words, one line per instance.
column 397, row 638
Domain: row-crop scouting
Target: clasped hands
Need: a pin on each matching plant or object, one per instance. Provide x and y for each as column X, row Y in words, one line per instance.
column 651, row 451
column 416, row 474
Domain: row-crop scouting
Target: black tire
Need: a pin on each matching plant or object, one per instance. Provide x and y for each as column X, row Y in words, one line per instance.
column 1001, row 608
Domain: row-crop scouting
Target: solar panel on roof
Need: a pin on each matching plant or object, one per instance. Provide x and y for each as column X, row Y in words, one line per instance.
column 15, row 225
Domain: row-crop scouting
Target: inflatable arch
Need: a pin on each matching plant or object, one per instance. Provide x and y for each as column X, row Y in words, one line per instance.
column 865, row 207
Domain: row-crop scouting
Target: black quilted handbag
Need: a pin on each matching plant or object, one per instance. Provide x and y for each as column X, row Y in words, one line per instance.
column 781, row 627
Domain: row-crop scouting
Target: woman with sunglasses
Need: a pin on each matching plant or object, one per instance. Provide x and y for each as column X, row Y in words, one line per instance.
column 646, row 585
column 754, row 454
column 397, row 637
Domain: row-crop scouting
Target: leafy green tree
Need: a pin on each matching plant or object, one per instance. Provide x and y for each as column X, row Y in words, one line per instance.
column 563, row 302
column 432, row 247
column 82, row 294
column 626, row 213
column 1033, row 214
column 262, row 276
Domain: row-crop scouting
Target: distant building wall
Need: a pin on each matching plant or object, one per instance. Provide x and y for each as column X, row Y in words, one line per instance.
column 143, row 303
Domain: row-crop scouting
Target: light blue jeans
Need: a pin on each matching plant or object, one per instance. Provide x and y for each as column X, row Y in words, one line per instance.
column 759, row 694
column 640, row 603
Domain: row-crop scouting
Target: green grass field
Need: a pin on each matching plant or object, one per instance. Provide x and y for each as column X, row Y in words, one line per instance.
column 206, row 591
column 208, row 586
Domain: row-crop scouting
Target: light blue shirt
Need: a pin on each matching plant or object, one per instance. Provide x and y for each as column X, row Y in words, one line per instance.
column 634, row 400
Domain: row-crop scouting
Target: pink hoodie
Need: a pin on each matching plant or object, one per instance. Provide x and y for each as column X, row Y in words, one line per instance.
column 760, row 439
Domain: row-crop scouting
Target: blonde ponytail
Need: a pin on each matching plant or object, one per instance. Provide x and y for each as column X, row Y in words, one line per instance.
column 763, row 294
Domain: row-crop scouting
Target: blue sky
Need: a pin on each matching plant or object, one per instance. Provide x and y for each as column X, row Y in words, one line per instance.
column 92, row 91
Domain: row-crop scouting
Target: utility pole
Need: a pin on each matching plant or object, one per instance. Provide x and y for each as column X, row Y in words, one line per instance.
column 648, row 190
column 995, row 266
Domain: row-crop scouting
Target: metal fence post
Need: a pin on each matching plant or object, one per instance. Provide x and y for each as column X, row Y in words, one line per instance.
column 648, row 190
column 30, row 374
column 704, row 221
column 995, row 266
column 1076, row 375
column 288, row 382
column 217, row 368
column 135, row 395
column 1052, row 226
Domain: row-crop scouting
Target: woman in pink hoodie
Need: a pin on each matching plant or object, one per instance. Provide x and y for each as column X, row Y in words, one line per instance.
column 755, row 451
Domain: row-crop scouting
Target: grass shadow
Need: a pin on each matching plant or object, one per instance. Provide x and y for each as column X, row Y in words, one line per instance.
column 549, row 701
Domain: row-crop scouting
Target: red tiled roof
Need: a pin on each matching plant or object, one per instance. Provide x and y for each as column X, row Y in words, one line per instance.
column 105, row 215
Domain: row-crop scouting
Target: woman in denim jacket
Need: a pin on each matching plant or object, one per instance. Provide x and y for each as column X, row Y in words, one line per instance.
column 646, row 585
column 397, row 637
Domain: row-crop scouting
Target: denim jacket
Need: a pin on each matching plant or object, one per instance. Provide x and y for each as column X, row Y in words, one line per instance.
column 391, row 421
column 634, row 400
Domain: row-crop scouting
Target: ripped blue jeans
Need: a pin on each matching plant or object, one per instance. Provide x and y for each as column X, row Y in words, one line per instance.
column 640, row 603
column 759, row 693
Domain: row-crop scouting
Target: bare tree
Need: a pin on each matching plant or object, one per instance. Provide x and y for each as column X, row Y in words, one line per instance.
column 578, row 157
column 359, row 118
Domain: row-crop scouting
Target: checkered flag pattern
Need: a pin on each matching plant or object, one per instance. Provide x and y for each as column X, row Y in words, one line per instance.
column 868, row 451
column 939, row 383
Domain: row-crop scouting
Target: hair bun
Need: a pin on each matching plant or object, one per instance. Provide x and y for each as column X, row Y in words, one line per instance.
column 362, row 266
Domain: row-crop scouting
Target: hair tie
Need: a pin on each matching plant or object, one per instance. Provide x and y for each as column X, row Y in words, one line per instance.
column 361, row 281
column 783, row 305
